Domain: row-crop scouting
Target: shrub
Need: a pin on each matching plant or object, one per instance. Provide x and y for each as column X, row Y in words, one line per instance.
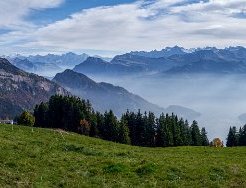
column 27, row 119
column 217, row 143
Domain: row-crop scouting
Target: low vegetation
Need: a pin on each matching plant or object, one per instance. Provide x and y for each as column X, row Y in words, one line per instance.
column 35, row 157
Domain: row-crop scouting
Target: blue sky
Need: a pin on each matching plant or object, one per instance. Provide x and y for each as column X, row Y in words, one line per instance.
column 69, row 7
column 109, row 27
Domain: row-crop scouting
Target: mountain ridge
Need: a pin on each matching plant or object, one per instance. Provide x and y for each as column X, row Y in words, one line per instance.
column 22, row 91
column 105, row 96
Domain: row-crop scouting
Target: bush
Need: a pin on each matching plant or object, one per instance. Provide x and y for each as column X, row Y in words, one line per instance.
column 27, row 119
column 217, row 143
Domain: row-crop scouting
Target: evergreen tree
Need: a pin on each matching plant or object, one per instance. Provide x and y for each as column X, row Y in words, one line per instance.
column 130, row 118
column 187, row 134
column 41, row 115
column 242, row 136
column 139, row 126
column 111, row 126
column 177, row 139
column 124, row 133
column 195, row 134
column 164, row 134
column 150, row 130
column 204, row 138
column 100, row 124
column 232, row 137
column 169, row 128
column 94, row 131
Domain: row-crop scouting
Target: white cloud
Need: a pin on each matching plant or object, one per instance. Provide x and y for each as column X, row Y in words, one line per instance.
column 139, row 26
column 13, row 11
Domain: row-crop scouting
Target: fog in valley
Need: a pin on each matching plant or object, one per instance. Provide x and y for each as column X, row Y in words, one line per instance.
column 220, row 99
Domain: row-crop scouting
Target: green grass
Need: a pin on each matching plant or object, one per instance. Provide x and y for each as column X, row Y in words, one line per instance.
column 48, row 158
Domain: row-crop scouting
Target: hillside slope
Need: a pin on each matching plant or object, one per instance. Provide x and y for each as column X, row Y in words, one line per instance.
column 21, row 90
column 51, row 158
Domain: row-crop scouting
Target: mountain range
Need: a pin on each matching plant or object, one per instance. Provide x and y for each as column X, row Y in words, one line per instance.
column 50, row 64
column 20, row 91
column 174, row 60
column 171, row 60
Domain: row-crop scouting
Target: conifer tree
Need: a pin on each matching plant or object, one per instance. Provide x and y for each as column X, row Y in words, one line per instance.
column 195, row 134
column 187, row 134
column 41, row 115
column 124, row 137
column 242, row 136
column 150, row 130
column 111, row 126
column 204, row 138
column 232, row 137
column 164, row 134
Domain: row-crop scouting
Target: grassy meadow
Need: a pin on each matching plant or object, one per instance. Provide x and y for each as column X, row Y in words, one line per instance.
column 33, row 157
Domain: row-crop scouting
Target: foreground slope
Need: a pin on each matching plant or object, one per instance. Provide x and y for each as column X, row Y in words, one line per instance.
column 51, row 158
column 20, row 90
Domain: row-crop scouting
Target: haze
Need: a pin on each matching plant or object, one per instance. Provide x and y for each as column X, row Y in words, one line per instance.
column 219, row 98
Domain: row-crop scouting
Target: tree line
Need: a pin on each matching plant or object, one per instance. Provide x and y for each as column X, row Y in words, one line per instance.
column 236, row 137
column 77, row 115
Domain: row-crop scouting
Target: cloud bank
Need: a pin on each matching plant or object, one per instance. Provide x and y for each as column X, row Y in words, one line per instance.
column 143, row 25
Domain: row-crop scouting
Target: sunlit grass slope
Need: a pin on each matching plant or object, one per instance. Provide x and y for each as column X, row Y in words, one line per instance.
column 51, row 158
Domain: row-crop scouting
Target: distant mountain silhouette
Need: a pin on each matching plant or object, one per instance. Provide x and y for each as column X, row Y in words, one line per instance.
column 99, row 66
column 167, row 52
column 171, row 61
column 40, row 68
column 212, row 60
column 68, row 60
column 105, row 96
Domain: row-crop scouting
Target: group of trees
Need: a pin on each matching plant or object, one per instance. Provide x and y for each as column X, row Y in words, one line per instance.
column 76, row 115
column 167, row 130
column 236, row 138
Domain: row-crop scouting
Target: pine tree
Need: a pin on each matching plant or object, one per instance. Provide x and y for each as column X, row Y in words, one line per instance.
column 41, row 115
column 177, row 132
column 139, row 126
column 111, row 126
column 123, row 136
column 232, row 137
column 150, row 130
column 204, row 138
column 100, row 124
column 164, row 134
column 188, row 137
column 242, row 136
column 195, row 134
column 94, row 131
column 169, row 130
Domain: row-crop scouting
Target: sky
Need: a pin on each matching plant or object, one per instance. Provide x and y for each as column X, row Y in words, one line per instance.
column 110, row 27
